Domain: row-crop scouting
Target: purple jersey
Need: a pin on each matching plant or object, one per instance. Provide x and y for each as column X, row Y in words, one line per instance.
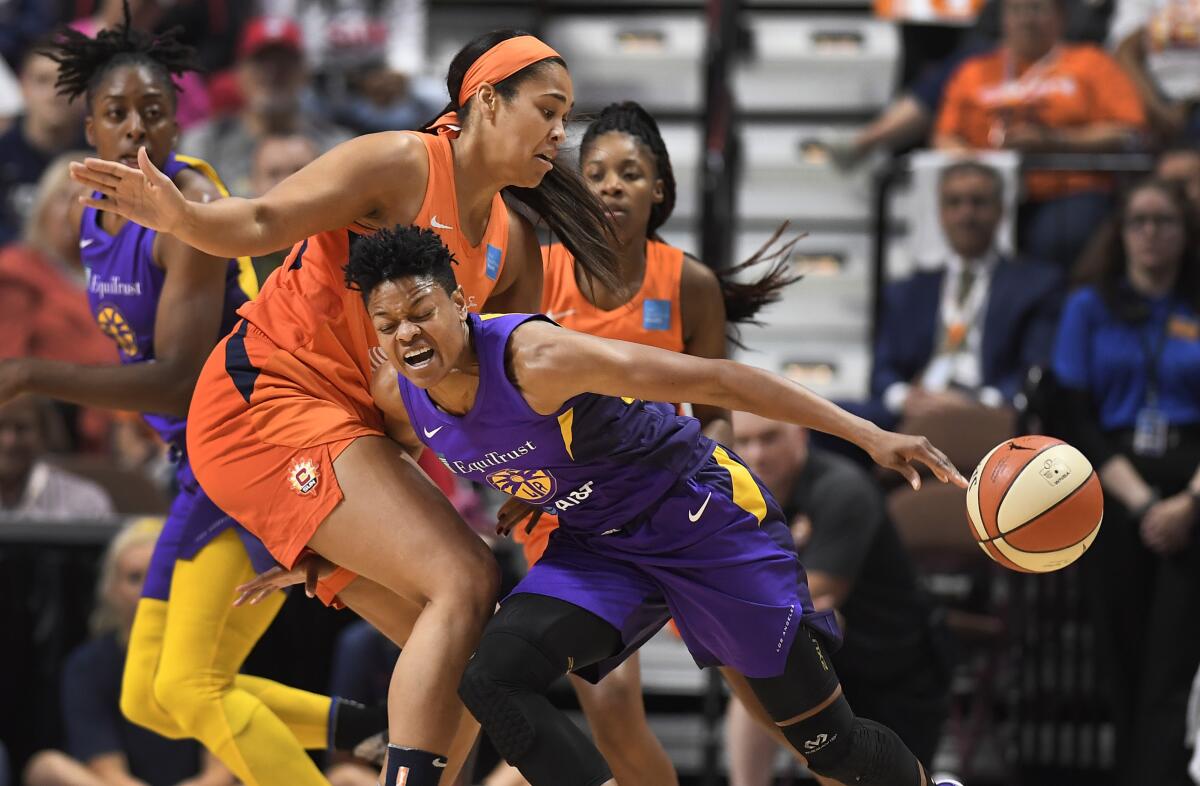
column 597, row 463
column 124, row 285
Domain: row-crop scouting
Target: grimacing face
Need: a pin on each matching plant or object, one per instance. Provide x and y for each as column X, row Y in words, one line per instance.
column 132, row 108
column 620, row 171
column 420, row 326
column 525, row 133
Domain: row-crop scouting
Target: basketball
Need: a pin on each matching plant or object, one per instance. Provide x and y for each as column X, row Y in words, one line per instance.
column 1035, row 504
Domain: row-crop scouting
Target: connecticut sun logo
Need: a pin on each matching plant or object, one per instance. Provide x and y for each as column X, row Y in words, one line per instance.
column 531, row 485
column 303, row 476
column 113, row 323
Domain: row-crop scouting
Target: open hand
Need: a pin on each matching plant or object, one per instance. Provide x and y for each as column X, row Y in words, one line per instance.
column 308, row 570
column 144, row 195
column 900, row 451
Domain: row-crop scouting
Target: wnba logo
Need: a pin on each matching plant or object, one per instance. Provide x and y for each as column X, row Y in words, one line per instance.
column 531, row 485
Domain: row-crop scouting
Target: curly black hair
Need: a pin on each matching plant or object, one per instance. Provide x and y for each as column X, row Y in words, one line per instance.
column 84, row 62
column 629, row 117
column 404, row 251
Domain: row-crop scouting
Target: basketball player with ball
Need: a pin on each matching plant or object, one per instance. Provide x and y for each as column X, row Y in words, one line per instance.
column 656, row 520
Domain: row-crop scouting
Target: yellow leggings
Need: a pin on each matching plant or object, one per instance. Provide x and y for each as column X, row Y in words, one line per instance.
column 181, row 674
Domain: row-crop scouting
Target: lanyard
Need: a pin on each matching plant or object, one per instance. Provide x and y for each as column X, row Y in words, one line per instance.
column 1153, row 355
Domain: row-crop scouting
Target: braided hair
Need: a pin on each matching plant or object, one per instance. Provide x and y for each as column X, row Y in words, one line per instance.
column 84, row 62
column 743, row 300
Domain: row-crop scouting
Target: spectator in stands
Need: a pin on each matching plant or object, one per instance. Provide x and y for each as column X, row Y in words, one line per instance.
column 1182, row 166
column 275, row 158
column 967, row 334
column 102, row 747
column 1158, row 44
column 50, row 126
column 1128, row 363
column 1037, row 94
column 32, row 488
column 272, row 78
column 22, row 22
column 890, row 665
column 368, row 56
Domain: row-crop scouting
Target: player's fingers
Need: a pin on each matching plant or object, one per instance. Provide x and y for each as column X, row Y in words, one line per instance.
column 105, row 166
column 93, row 178
column 942, row 468
column 533, row 520
column 910, row 474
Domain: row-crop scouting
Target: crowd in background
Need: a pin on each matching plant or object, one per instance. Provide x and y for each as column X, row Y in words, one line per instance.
column 1100, row 299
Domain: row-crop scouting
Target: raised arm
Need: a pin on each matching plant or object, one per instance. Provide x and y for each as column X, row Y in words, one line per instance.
column 551, row 365
column 379, row 178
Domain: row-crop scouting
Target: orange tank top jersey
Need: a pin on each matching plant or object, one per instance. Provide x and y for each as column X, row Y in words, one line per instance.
column 282, row 395
column 651, row 316
column 478, row 267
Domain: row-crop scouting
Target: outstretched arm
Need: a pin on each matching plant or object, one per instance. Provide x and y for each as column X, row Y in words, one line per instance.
column 550, row 365
column 357, row 180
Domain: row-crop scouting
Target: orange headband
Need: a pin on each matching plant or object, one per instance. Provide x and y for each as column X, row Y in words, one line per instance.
column 493, row 66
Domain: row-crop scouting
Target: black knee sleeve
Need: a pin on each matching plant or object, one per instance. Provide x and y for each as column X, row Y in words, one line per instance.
column 869, row 755
column 530, row 643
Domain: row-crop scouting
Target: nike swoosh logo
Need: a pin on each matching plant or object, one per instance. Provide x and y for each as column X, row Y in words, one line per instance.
column 694, row 517
column 87, row 241
column 557, row 315
column 430, row 434
column 433, row 222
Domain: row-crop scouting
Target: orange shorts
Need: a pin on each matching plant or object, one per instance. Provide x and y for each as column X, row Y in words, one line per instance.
column 263, row 432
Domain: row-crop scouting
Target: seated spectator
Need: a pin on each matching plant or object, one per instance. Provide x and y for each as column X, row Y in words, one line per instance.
column 23, row 22
column 1128, row 363
column 891, row 668
column 275, row 158
column 1158, row 44
column 51, row 125
column 102, row 747
column 272, row 80
column 966, row 334
column 31, row 488
column 367, row 56
column 1182, row 166
column 1037, row 94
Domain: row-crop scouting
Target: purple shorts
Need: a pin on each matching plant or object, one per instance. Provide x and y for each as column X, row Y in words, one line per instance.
column 713, row 553
column 191, row 524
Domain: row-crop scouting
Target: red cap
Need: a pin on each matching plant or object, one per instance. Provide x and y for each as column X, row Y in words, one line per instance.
column 265, row 31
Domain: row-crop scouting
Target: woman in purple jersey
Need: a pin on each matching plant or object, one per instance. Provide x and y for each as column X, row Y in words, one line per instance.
column 657, row 520
column 165, row 305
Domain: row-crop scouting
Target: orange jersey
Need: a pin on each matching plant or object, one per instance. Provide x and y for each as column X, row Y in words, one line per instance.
column 1072, row 87
column 289, row 389
column 651, row 316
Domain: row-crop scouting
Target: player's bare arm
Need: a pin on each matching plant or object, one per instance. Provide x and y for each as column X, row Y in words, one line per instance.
column 551, row 364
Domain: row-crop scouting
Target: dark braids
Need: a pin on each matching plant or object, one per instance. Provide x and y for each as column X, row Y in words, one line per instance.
column 629, row 117
column 743, row 300
column 83, row 62
column 562, row 199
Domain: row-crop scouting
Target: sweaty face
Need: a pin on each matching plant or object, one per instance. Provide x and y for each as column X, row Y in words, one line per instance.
column 132, row 108
column 970, row 213
column 623, row 173
column 1153, row 232
column 420, row 326
column 526, row 131
column 774, row 451
column 130, row 575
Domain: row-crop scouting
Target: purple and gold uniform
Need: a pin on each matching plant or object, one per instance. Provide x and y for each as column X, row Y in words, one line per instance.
column 124, row 285
column 657, row 520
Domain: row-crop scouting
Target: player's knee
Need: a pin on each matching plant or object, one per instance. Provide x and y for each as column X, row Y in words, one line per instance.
column 472, row 590
column 867, row 753
column 824, row 737
column 186, row 700
column 140, row 707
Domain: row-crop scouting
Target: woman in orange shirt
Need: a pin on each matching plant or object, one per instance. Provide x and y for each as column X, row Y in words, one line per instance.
column 283, row 433
column 669, row 300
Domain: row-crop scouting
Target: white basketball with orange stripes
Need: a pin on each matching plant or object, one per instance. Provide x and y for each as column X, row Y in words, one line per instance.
column 1035, row 504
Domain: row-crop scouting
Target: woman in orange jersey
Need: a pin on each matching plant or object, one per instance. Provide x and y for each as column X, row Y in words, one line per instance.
column 669, row 300
column 283, row 432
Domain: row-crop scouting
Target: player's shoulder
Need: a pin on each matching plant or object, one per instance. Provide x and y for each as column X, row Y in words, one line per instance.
column 385, row 388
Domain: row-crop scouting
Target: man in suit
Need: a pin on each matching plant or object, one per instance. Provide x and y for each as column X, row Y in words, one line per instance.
column 965, row 334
